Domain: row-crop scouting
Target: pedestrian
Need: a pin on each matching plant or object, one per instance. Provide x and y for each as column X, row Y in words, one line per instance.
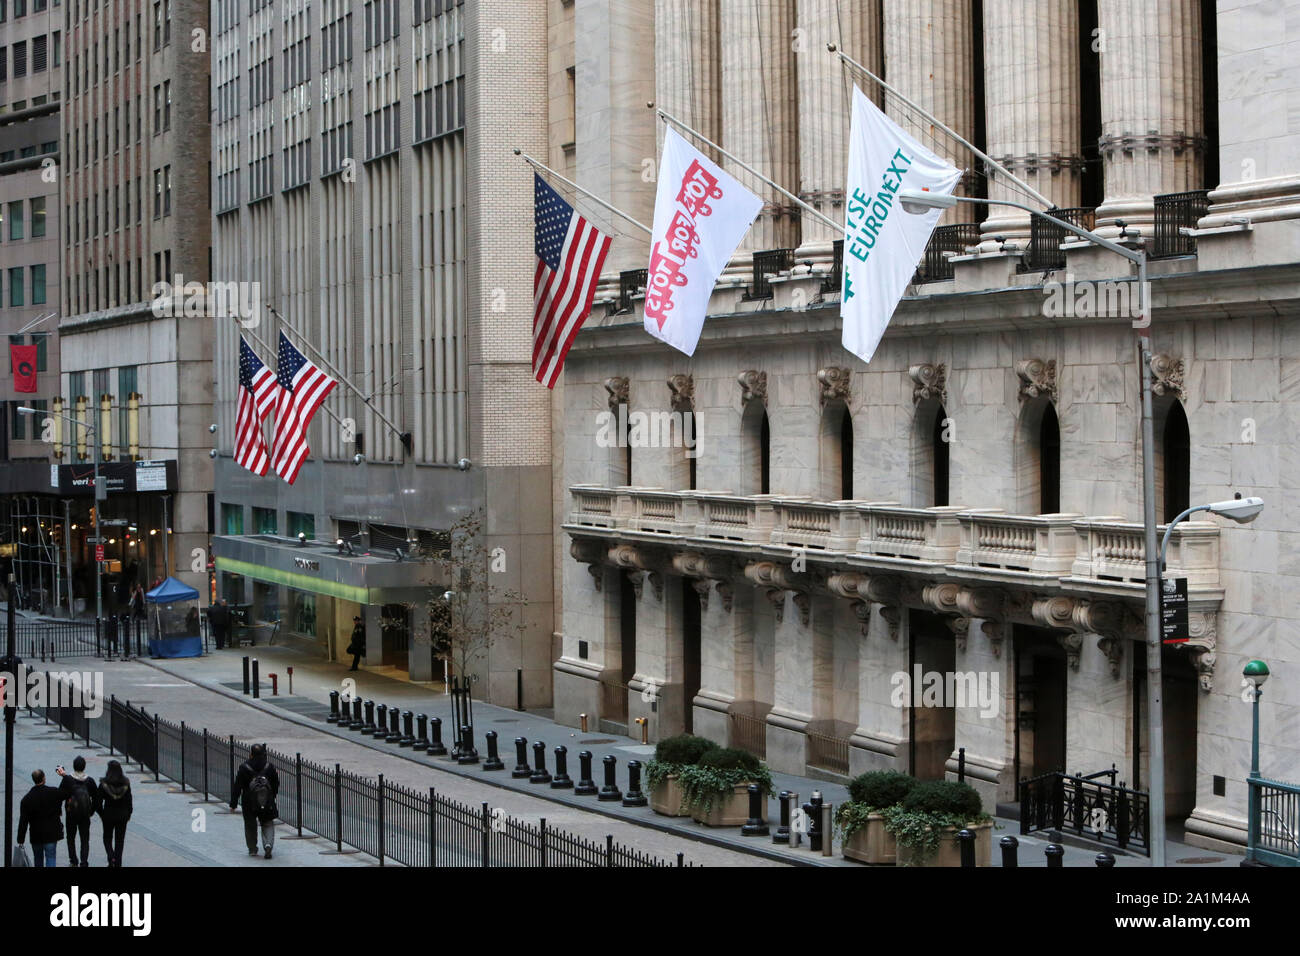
column 110, row 633
column 219, row 622
column 114, row 808
column 79, row 795
column 255, row 787
column 357, row 648
column 137, row 603
column 41, row 810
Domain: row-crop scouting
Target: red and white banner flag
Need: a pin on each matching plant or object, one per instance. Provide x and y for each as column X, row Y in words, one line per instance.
column 701, row 214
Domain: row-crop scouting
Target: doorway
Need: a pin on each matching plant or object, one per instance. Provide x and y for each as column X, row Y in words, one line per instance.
column 1180, row 698
column 395, row 624
column 690, row 652
column 932, row 730
column 1040, row 702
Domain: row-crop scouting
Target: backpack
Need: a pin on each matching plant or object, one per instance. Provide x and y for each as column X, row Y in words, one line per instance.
column 79, row 803
column 259, row 789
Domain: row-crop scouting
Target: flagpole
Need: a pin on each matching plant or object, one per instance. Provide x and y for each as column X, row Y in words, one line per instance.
column 403, row 437
column 844, row 57
column 816, row 213
column 266, row 348
column 590, row 195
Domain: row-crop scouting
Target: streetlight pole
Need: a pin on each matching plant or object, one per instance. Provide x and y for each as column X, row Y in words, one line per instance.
column 1255, row 672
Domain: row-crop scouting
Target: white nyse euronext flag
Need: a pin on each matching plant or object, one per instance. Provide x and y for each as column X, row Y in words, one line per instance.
column 701, row 214
column 883, row 242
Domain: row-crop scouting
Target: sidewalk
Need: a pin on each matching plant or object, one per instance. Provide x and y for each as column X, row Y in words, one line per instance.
column 313, row 680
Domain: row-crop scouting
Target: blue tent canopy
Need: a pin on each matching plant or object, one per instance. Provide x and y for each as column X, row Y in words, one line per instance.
column 171, row 591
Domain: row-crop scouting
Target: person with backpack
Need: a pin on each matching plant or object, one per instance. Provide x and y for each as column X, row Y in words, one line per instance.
column 256, row 785
column 79, row 795
column 40, row 811
column 114, row 809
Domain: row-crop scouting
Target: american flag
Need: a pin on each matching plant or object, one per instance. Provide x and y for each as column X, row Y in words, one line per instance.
column 303, row 387
column 257, row 396
column 570, row 252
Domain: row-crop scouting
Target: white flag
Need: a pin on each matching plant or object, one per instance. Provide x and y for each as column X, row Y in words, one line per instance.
column 701, row 214
column 882, row 241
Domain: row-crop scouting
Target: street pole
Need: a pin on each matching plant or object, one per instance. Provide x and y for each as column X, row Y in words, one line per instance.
column 99, row 541
column 1252, row 811
column 167, row 554
column 11, row 706
column 67, row 549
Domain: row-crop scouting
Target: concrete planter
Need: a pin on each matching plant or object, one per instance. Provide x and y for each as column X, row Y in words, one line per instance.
column 668, row 799
column 873, row 843
column 729, row 810
column 949, row 852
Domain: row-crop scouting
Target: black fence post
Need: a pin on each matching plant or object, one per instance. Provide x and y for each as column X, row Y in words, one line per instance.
column 368, row 728
column 333, row 718
column 182, row 756
column 433, row 828
column 610, row 791
column 541, row 842
column 112, row 706
column 436, row 747
column 356, row 723
column 247, row 688
column 782, row 834
column 493, row 761
column 467, row 753
column 338, row 805
column 257, row 683
column 539, row 774
column 961, row 766
column 966, row 840
column 421, row 733
column 297, row 771
column 156, row 761
column 609, row 849
column 1055, row 852
column 562, row 779
column 634, row 797
column 1010, row 847
column 522, row 769
column 231, row 778
column 486, row 824
column 586, row 786
column 206, row 791
column 381, row 819
column 756, row 825
column 381, row 721
column 408, row 731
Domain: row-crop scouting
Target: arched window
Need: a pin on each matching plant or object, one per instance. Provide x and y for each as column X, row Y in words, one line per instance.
column 1174, row 462
column 930, row 454
column 755, row 450
column 1049, row 469
column 1038, row 454
column 836, row 452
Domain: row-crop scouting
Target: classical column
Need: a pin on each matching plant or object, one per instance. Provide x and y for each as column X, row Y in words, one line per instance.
column 591, row 615
column 825, row 86
column 1152, row 135
column 759, row 107
column 726, row 652
column 687, row 64
column 1031, row 84
column 929, row 57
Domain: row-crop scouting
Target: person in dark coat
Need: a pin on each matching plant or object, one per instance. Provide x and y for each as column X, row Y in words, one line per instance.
column 110, row 633
column 219, row 621
column 80, row 796
column 41, row 810
column 114, row 809
column 255, row 788
column 137, row 603
column 357, row 647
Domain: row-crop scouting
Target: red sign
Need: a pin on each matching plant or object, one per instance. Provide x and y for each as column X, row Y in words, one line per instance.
column 22, row 358
column 99, row 552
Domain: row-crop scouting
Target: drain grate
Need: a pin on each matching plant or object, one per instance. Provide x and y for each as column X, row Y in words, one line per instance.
column 506, row 720
column 1202, row 859
column 599, row 740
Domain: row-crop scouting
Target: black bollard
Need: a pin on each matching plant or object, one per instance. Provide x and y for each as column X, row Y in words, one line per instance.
column 522, row 769
column 394, row 728
column 634, row 798
column 586, row 786
column 422, row 732
column 610, row 791
column 539, row 774
column 756, row 825
column 782, row 834
column 966, row 841
column 1055, row 854
column 1105, row 859
column 333, row 718
column 257, row 684
column 368, row 727
column 408, row 732
column 381, row 721
column 813, row 813
column 467, row 754
column 1010, row 847
column 247, row 686
column 356, row 723
column 493, row 761
column 562, row 779
column 436, row 747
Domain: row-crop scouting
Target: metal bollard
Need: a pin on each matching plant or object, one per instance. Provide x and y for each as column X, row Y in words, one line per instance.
column 408, row 732
column 368, row 727
column 813, row 813
column 1055, row 854
column 539, row 774
column 562, row 780
column 522, row 769
column 1010, row 847
column 333, row 718
column 290, row 672
column 1105, row 859
column 467, row 753
column 634, row 798
column 247, row 690
column 257, row 684
column 394, row 731
column 756, row 825
column 493, row 761
column 356, row 723
column 798, row 821
column 966, row 840
column 782, row 834
column 381, row 721
column 422, row 732
column 436, row 747
column 275, row 684
column 610, row 791
column 586, row 786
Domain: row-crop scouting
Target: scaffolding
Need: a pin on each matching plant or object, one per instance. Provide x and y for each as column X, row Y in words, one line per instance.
column 42, row 562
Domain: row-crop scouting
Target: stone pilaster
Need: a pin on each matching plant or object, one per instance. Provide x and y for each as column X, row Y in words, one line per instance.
column 688, row 79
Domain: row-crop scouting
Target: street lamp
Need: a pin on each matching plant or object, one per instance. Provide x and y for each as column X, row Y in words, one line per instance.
column 99, row 591
column 1255, row 672
column 1239, row 509
column 920, row 201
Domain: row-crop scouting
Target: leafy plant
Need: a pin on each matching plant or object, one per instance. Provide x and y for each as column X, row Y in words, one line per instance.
column 717, row 774
column 674, row 753
column 919, row 821
column 881, row 788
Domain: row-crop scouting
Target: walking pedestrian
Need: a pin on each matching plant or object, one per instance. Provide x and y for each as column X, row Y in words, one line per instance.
column 357, row 648
column 137, row 603
column 79, row 795
column 110, row 634
column 219, row 621
column 255, row 787
column 114, row 808
column 41, row 810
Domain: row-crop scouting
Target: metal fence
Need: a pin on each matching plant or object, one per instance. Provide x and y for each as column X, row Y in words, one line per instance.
column 749, row 734
column 58, row 640
column 934, row 265
column 630, row 282
column 1044, row 250
column 828, row 753
column 768, row 263
column 1106, row 812
column 374, row 815
column 1173, row 212
column 1274, row 833
column 835, row 278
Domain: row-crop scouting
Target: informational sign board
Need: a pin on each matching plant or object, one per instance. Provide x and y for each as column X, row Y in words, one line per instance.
column 1173, row 610
column 99, row 552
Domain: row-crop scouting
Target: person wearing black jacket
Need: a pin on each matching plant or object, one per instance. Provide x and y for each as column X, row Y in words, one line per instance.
column 255, row 787
column 77, row 810
column 358, row 646
column 113, row 804
column 41, row 810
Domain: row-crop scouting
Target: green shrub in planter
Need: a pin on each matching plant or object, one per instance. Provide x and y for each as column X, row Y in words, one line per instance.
column 944, row 796
column 674, row 753
column 918, row 822
column 717, row 774
column 871, row 793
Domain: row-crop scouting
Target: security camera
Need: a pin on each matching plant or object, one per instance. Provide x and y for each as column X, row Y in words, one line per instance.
column 213, row 428
column 213, row 453
column 358, row 458
column 463, row 464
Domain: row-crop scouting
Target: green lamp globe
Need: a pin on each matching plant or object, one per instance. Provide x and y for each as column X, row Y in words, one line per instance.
column 1256, row 672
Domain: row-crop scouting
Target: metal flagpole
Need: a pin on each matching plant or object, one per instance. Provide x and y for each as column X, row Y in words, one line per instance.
column 844, row 57
column 265, row 348
column 668, row 117
column 590, row 195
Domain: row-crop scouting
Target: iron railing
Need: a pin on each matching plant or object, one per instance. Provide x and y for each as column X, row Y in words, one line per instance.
column 1173, row 212
column 1044, row 250
column 766, row 264
column 835, row 278
column 1105, row 812
column 749, row 734
column 828, row 753
column 1274, row 824
column 57, row 640
column 935, row 266
column 630, row 282
column 371, row 814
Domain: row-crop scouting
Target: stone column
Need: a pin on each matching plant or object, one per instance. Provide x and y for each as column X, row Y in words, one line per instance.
column 759, row 111
column 880, row 741
column 1031, row 57
column 1152, row 135
column 929, row 57
column 688, row 78
column 787, row 721
column 659, row 655
column 726, row 669
column 825, row 100
column 591, row 614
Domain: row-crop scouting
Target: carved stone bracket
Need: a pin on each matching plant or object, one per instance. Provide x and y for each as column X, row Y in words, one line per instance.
column 929, row 381
column 683, row 392
column 702, row 587
column 1037, row 378
column 772, row 575
column 1203, row 629
column 892, row 614
column 1073, row 644
column 617, row 386
column 803, row 601
column 1113, row 648
column 960, row 627
column 592, row 554
column 987, row 604
column 637, row 578
column 1167, row 376
column 657, row 582
column 753, row 386
column 864, row 590
column 862, row 611
column 629, row 556
column 834, row 383
column 1054, row 612
column 942, row 597
column 994, row 631
column 777, row 598
column 693, row 564
column 1105, row 618
column 726, row 592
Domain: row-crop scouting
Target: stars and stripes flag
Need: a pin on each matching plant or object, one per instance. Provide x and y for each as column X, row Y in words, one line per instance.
column 302, row 389
column 258, row 393
column 570, row 253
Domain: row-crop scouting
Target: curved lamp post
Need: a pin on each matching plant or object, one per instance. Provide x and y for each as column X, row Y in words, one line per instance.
column 1255, row 672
